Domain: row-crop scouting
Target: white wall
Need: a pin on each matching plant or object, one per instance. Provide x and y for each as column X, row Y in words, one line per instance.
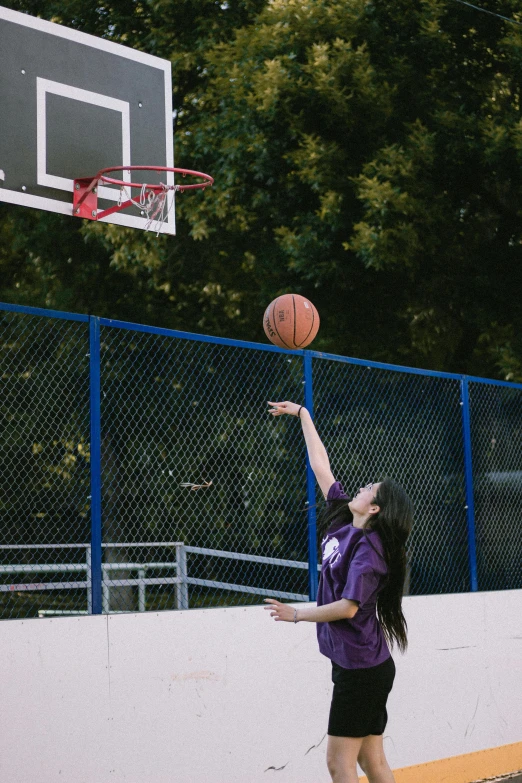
column 230, row 696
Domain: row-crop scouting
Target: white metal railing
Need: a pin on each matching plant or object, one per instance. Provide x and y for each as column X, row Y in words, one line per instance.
column 181, row 580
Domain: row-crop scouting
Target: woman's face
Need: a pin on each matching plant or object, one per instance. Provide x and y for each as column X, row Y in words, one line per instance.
column 362, row 504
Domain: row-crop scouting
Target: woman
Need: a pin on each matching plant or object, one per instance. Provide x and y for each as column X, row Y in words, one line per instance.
column 358, row 612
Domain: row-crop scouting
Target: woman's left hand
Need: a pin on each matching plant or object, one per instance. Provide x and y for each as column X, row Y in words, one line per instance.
column 281, row 612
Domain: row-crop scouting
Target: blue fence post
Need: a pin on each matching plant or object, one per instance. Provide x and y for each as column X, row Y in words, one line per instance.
column 95, row 450
column 468, row 473
column 310, row 488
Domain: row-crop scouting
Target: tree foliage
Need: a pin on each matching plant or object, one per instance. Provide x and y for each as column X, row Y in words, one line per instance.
column 366, row 154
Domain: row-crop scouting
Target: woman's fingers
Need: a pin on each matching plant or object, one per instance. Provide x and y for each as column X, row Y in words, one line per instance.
column 278, row 408
column 273, row 606
column 280, row 612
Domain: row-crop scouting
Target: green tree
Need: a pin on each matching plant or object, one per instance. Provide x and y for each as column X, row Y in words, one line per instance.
column 365, row 154
column 371, row 154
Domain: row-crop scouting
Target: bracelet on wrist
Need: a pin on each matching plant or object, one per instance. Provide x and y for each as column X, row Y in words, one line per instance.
column 299, row 412
column 295, row 616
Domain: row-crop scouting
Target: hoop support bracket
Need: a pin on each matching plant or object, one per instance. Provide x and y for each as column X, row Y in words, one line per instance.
column 85, row 198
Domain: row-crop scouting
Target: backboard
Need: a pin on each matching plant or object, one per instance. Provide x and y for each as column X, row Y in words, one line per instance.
column 72, row 104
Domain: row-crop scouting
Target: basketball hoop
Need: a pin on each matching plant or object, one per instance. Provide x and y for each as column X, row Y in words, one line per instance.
column 152, row 200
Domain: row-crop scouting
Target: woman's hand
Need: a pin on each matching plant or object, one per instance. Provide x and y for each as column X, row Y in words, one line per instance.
column 278, row 408
column 281, row 612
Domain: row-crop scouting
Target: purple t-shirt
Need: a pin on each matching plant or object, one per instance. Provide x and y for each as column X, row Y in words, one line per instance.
column 352, row 569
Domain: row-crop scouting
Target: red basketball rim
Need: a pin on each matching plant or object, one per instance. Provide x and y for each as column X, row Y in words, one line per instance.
column 208, row 181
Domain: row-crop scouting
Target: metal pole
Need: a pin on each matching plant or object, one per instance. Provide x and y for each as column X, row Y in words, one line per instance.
column 310, row 488
column 89, row 579
column 182, row 593
column 142, row 587
column 468, row 472
column 95, row 449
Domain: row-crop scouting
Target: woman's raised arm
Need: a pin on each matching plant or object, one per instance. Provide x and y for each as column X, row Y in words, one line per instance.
column 317, row 455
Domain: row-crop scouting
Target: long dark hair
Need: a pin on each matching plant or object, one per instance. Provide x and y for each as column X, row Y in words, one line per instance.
column 393, row 523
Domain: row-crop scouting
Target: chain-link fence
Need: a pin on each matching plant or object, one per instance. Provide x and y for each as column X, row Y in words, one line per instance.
column 176, row 413
column 496, row 425
column 44, row 468
column 141, row 471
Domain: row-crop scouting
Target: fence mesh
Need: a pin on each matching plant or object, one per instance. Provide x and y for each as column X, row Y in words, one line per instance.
column 377, row 423
column 204, row 493
column 496, row 429
column 45, row 473
column 182, row 412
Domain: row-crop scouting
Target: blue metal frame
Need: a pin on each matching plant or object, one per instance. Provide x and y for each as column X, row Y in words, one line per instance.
column 491, row 382
column 381, row 366
column 310, row 488
column 468, row 472
column 10, row 308
column 202, row 338
column 95, row 450
column 412, row 370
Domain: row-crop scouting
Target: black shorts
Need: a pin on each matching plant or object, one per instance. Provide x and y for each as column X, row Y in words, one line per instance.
column 359, row 700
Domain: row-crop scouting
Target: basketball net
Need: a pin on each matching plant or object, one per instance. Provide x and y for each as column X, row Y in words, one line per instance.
column 156, row 206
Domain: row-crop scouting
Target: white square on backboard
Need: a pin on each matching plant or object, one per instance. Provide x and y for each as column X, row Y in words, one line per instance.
column 45, row 86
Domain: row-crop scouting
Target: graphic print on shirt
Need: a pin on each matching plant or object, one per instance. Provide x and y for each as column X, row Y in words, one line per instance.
column 330, row 547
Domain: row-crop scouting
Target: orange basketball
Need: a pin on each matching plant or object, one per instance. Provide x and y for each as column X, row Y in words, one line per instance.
column 291, row 321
